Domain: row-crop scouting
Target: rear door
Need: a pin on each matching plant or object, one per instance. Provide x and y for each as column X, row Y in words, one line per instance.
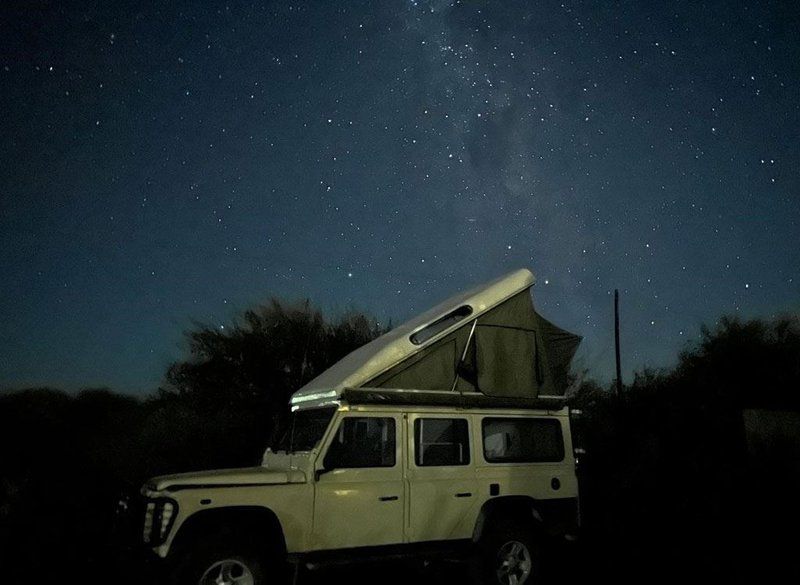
column 441, row 478
column 526, row 455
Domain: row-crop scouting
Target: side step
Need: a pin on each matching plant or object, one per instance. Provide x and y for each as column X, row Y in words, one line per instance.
column 450, row 551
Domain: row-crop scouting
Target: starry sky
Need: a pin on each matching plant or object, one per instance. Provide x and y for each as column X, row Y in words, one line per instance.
column 165, row 163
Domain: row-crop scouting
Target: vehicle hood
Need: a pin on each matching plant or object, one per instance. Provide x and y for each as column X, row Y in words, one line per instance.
column 239, row 477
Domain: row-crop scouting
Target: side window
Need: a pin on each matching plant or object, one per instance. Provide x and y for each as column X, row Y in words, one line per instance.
column 441, row 441
column 522, row 440
column 362, row 442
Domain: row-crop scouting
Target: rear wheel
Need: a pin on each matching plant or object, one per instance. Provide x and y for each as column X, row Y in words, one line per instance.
column 509, row 555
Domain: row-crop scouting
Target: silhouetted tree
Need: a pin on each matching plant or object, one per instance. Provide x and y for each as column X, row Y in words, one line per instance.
column 64, row 460
column 667, row 473
column 67, row 458
column 755, row 362
column 224, row 403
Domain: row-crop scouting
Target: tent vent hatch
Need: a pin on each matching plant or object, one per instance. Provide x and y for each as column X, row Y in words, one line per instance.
column 430, row 331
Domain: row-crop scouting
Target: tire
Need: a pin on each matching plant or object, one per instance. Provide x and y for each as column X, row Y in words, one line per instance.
column 220, row 564
column 509, row 554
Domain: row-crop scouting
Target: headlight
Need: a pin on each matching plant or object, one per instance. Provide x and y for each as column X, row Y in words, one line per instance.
column 158, row 517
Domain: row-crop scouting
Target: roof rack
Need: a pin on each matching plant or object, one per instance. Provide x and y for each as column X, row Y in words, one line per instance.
column 447, row 398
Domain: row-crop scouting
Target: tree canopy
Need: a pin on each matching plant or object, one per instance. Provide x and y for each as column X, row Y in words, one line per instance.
column 751, row 363
column 240, row 378
column 267, row 354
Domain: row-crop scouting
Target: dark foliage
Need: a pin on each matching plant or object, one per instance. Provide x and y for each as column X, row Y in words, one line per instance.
column 66, row 460
column 751, row 363
column 667, row 485
column 231, row 395
column 668, row 480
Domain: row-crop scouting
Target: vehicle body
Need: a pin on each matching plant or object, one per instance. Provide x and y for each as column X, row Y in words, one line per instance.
column 369, row 471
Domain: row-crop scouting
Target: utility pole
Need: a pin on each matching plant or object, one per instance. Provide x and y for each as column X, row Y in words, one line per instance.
column 616, row 342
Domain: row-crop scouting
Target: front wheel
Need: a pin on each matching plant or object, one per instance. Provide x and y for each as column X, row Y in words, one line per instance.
column 220, row 566
column 231, row 571
column 510, row 555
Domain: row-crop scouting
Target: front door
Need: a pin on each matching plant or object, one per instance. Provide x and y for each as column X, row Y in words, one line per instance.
column 359, row 497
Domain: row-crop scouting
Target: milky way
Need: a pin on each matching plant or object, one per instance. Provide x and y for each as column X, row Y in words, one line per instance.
column 170, row 163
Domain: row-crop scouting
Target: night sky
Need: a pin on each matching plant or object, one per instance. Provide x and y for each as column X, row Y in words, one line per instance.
column 174, row 162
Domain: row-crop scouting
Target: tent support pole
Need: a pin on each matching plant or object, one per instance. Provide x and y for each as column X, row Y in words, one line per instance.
column 464, row 354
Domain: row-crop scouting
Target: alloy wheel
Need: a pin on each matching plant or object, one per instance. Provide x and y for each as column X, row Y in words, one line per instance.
column 513, row 563
column 227, row 572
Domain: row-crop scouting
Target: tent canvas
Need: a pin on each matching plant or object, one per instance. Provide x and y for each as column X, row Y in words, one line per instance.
column 489, row 340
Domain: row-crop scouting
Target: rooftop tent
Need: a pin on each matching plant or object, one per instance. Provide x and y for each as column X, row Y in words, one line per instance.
column 488, row 340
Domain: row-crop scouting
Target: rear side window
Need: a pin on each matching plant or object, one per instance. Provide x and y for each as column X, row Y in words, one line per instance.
column 522, row 440
column 441, row 441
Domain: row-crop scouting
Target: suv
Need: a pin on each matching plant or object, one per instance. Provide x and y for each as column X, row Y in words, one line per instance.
column 368, row 470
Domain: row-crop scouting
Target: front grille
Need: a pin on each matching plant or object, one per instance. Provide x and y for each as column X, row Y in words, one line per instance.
column 159, row 514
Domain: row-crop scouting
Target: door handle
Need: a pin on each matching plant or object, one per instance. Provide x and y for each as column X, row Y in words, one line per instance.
column 387, row 498
column 464, row 495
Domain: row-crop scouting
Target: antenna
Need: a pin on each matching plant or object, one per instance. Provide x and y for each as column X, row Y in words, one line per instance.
column 616, row 342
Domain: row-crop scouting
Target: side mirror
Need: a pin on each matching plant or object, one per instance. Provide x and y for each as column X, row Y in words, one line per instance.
column 329, row 463
column 320, row 472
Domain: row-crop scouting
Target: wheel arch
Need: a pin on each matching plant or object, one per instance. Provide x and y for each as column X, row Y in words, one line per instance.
column 233, row 522
column 520, row 508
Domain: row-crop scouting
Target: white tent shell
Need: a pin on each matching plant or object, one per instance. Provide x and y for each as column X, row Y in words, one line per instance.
column 450, row 323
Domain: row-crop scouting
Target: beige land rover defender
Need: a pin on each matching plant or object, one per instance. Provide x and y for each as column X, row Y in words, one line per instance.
column 447, row 434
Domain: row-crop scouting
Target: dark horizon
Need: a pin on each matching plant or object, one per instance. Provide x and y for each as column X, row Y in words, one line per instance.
column 166, row 164
column 606, row 380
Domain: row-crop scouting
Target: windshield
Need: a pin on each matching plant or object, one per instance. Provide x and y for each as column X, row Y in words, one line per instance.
column 305, row 429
